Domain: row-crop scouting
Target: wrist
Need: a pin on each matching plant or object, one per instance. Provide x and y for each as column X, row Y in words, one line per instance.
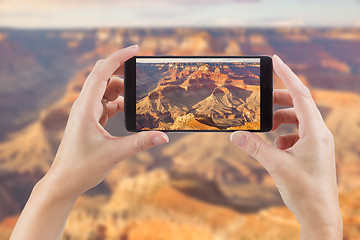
column 333, row 231
column 45, row 212
column 320, row 217
column 54, row 190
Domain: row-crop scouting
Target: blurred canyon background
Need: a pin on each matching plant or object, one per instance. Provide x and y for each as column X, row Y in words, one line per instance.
column 199, row 186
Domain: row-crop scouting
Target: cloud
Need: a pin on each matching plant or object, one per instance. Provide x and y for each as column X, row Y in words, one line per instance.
column 54, row 13
column 18, row 5
column 192, row 1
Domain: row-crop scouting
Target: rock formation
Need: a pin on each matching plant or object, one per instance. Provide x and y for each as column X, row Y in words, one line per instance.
column 226, row 93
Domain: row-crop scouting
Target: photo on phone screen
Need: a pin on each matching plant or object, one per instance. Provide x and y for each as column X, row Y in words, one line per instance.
column 198, row 94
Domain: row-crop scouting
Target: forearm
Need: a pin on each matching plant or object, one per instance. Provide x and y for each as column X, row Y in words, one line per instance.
column 45, row 213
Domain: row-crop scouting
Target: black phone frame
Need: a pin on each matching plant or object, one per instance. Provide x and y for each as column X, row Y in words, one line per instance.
column 266, row 93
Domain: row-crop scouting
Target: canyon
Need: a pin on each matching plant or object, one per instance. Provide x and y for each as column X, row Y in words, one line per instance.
column 199, row 186
column 198, row 96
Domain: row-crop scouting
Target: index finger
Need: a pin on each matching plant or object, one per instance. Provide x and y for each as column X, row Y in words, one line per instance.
column 95, row 84
column 306, row 111
column 282, row 97
column 120, row 70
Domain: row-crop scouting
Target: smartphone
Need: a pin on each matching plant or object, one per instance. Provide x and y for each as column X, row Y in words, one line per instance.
column 198, row 93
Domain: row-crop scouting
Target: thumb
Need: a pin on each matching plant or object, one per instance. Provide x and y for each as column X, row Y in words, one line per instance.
column 130, row 145
column 268, row 156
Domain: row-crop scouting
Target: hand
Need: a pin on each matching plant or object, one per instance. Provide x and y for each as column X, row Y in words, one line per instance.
column 302, row 164
column 87, row 151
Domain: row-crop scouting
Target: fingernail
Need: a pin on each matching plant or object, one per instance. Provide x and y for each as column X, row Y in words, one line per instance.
column 160, row 139
column 238, row 138
column 133, row 46
column 279, row 59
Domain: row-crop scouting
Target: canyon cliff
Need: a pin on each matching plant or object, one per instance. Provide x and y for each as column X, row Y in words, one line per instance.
column 198, row 96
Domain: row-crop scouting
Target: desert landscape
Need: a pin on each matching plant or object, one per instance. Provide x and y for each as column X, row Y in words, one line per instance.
column 198, row 96
column 199, row 186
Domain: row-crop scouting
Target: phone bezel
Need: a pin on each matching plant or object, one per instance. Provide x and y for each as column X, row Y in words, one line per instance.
column 266, row 93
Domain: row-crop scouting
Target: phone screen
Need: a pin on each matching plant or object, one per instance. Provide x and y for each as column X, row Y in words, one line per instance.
column 198, row 93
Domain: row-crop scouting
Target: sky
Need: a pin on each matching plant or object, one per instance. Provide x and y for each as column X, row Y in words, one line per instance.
column 178, row 13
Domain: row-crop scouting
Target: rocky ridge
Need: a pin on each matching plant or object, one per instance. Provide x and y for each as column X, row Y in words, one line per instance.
column 215, row 92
